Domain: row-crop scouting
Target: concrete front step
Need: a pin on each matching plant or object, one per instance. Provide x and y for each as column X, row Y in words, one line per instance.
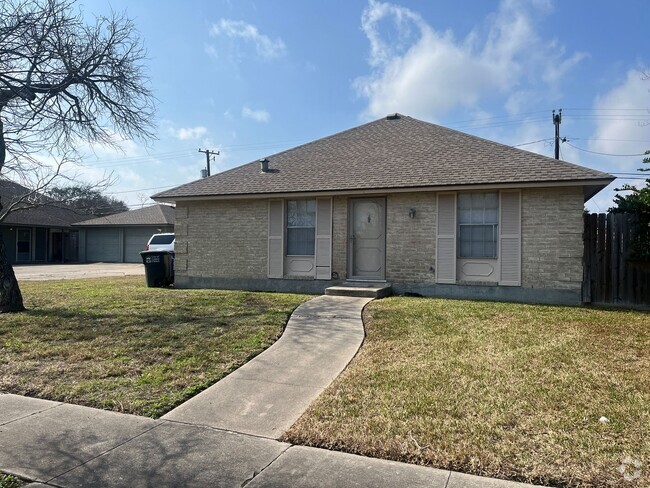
column 360, row 289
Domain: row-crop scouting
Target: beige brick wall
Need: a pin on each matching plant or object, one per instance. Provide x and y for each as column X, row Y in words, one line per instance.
column 224, row 239
column 228, row 239
column 340, row 236
column 551, row 228
column 410, row 243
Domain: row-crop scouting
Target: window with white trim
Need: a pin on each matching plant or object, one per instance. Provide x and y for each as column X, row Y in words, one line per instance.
column 478, row 220
column 301, row 227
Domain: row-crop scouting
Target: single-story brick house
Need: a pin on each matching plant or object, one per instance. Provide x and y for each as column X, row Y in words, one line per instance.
column 120, row 237
column 37, row 234
column 430, row 210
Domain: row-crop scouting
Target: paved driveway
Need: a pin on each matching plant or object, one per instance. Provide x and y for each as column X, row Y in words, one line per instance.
column 76, row 271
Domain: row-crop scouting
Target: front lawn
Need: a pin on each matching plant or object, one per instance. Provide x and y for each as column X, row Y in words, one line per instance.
column 504, row 390
column 118, row 345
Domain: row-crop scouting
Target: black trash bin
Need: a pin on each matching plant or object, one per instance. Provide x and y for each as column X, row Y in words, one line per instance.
column 158, row 267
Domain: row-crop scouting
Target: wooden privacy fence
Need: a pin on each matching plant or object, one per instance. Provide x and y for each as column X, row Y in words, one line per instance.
column 610, row 277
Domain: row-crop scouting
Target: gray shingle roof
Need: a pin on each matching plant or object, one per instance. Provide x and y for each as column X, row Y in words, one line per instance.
column 50, row 214
column 153, row 215
column 398, row 153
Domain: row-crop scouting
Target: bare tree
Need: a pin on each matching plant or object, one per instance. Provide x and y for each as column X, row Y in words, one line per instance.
column 63, row 82
column 144, row 198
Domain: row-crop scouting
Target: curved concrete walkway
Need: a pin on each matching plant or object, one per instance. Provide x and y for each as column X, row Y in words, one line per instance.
column 63, row 445
column 269, row 393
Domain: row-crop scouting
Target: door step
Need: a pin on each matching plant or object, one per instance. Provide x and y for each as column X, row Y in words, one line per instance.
column 354, row 289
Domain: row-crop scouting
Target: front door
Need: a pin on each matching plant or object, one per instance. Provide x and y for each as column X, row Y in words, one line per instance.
column 367, row 235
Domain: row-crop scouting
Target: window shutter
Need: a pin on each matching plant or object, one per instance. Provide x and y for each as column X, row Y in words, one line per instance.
column 510, row 238
column 276, row 238
column 324, row 239
column 446, row 239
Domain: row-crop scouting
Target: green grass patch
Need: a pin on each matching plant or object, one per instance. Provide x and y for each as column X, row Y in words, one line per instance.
column 118, row 345
column 494, row 389
column 9, row 481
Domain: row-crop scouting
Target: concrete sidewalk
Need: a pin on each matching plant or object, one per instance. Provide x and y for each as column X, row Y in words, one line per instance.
column 72, row 446
column 269, row 393
column 223, row 437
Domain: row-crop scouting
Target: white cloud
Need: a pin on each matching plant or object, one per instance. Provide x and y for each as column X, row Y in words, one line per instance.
column 422, row 72
column 186, row 133
column 622, row 117
column 265, row 47
column 256, row 115
column 211, row 51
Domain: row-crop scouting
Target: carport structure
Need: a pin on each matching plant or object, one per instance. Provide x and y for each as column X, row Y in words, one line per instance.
column 119, row 238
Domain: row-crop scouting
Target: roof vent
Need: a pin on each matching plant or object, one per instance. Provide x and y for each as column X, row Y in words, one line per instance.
column 264, row 165
column 394, row 116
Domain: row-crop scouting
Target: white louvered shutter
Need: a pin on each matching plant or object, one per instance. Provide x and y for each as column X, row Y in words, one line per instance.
column 323, row 238
column 276, row 239
column 446, row 239
column 510, row 238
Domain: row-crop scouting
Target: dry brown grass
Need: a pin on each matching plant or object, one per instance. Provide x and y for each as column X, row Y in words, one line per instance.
column 117, row 345
column 502, row 390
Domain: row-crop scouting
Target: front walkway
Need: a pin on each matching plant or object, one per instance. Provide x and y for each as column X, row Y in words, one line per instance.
column 224, row 436
column 269, row 393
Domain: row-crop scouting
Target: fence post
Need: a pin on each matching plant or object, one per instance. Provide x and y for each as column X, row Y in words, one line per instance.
column 614, row 251
column 586, row 254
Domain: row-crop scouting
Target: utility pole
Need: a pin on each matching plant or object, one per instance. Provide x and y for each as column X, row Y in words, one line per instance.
column 557, row 120
column 209, row 156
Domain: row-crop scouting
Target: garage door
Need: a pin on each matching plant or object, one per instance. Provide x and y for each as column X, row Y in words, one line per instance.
column 135, row 240
column 103, row 245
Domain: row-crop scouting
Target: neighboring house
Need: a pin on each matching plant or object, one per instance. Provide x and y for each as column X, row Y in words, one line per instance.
column 428, row 209
column 119, row 238
column 41, row 234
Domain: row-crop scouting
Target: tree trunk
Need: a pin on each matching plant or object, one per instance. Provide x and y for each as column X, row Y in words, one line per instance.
column 11, row 300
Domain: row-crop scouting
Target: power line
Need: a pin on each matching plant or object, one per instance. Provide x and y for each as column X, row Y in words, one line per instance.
column 142, row 189
column 623, row 173
column 533, row 142
column 611, row 109
column 480, row 119
column 603, row 154
column 609, row 140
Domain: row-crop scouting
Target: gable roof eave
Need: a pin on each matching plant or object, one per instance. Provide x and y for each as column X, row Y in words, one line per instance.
column 595, row 185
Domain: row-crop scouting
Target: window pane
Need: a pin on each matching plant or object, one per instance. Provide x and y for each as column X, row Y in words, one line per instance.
column 300, row 241
column 301, row 227
column 478, row 215
column 301, row 213
column 491, row 215
column 491, row 200
column 477, row 241
column 163, row 239
column 464, row 216
column 465, row 200
column 491, row 208
column 490, row 249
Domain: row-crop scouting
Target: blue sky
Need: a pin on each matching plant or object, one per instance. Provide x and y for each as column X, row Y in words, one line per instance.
column 251, row 78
